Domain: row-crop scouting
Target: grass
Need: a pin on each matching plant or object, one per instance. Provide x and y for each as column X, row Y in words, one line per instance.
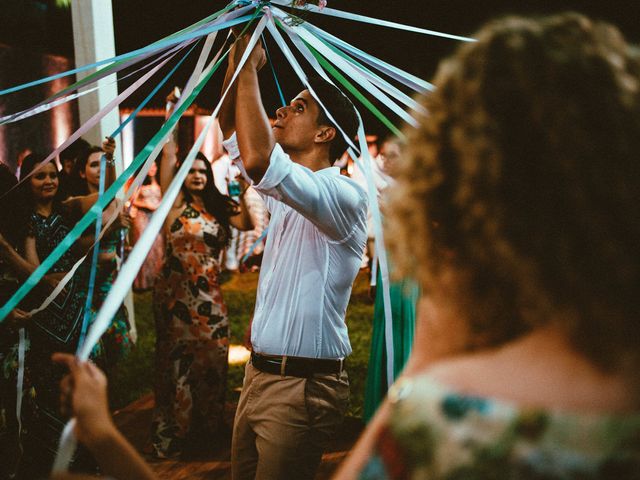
column 135, row 375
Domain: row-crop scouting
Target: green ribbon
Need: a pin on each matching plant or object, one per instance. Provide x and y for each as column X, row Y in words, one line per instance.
column 356, row 93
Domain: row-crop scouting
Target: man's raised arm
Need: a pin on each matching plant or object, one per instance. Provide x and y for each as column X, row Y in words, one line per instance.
column 227, row 117
column 255, row 138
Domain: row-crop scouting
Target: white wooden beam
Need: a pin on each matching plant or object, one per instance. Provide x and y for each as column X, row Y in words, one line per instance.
column 93, row 40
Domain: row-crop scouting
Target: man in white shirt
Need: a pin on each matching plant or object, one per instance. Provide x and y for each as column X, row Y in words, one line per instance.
column 296, row 389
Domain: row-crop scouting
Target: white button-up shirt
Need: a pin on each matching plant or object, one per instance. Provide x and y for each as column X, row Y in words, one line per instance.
column 317, row 234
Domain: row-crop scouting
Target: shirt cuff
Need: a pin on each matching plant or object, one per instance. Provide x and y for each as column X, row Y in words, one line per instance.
column 279, row 167
column 231, row 146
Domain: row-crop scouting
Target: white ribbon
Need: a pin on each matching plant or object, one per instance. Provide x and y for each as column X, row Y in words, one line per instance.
column 374, row 268
column 374, row 21
column 66, row 448
column 372, row 192
column 20, row 380
column 416, row 83
column 380, row 251
column 352, row 72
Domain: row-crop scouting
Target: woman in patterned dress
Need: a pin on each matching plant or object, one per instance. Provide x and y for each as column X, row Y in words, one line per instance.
column 191, row 318
column 517, row 208
column 44, row 223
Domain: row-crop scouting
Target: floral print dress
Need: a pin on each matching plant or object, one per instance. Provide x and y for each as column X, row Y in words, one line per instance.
column 192, row 334
column 434, row 433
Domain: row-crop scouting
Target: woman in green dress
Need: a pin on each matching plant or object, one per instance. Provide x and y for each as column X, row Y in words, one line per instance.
column 404, row 296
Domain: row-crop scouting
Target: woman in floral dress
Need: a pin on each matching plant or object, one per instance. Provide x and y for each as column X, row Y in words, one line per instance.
column 191, row 318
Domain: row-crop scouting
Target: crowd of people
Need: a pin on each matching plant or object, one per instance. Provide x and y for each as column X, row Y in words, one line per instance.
column 512, row 218
column 182, row 267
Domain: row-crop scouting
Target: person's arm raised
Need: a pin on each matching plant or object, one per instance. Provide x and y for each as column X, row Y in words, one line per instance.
column 109, row 148
column 227, row 117
column 169, row 159
column 255, row 138
column 242, row 220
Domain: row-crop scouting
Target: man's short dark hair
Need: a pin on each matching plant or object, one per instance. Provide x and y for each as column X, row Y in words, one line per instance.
column 341, row 109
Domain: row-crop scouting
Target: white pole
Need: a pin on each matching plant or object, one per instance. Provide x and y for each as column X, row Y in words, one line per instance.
column 94, row 40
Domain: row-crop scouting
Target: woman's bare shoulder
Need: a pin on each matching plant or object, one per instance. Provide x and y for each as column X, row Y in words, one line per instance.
column 538, row 370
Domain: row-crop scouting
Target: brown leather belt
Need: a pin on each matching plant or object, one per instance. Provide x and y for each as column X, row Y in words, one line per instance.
column 295, row 366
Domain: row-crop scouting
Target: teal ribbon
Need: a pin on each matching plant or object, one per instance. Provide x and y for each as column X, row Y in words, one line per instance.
column 94, row 259
column 255, row 245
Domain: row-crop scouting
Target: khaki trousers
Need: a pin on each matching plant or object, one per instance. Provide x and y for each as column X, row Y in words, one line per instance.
column 283, row 424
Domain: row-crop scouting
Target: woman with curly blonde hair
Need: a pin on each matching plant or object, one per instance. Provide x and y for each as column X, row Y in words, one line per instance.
column 518, row 210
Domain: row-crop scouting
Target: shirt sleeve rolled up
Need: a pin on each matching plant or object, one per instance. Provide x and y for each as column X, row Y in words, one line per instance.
column 329, row 200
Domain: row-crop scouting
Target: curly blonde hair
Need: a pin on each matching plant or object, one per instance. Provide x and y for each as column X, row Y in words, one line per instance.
column 524, row 180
